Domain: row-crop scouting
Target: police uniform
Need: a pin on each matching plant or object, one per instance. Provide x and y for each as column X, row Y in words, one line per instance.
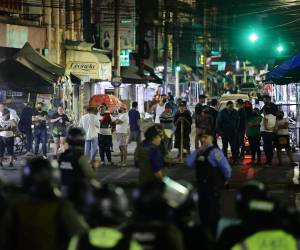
column 149, row 159
column 269, row 240
column 212, row 170
column 74, row 165
column 156, row 235
column 103, row 238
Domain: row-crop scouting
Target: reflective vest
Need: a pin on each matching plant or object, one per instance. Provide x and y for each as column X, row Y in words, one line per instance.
column 103, row 238
column 269, row 240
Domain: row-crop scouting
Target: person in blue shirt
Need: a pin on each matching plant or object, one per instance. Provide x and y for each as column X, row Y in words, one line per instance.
column 212, row 174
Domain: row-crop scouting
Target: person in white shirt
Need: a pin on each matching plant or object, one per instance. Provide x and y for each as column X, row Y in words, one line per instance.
column 267, row 128
column 13, row 114
column 159, row 108
column 7, row 128
column 282, row 139
column 122, row 130
column 90, row 124
column 105, row 134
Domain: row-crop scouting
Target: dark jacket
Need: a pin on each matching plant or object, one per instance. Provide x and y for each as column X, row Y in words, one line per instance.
column 228, row 122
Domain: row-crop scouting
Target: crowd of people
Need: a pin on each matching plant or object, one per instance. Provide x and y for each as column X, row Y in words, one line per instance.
column 236, row 124
column 61, row 205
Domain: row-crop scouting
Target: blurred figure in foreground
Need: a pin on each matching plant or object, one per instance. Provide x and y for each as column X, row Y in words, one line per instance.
column 40, row 219
column 151, row 227
column 261, row 224
column 107, row 213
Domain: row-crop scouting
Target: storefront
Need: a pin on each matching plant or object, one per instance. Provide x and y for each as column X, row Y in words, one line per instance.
column 92, row 69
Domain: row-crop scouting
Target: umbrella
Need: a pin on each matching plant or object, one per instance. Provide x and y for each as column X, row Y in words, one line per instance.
column 111, row 101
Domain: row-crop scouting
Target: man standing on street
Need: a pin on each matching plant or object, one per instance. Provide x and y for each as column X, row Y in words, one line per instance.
column 59, row 131
column 90, row 124
column 213, row 110
column 241, row 128
column 227, row 126
column 212, row 173
column 148, row 156
column 134, row 123
column 270, row 105
column 25, row 125
column 39, row 120
column 198, row 111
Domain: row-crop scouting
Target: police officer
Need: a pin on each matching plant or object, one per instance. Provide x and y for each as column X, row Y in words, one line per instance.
column 148, row 156
column 73, row 164
column 107, row 213
column 40, row 219
column 78, row 177
column 212, row 173
column 153, row 204
column 261, row 224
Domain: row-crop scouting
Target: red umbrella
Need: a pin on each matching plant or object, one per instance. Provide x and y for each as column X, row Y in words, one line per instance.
column 111, row 101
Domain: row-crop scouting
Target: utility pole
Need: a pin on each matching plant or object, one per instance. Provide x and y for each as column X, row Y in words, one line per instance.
column 117, row 49
column 175, row 67
column 205, row 48
column 166, row 43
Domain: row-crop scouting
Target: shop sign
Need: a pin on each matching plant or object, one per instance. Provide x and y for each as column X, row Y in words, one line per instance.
column 84, row 67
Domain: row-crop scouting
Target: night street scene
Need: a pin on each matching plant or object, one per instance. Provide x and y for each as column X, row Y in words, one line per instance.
column 149, row 124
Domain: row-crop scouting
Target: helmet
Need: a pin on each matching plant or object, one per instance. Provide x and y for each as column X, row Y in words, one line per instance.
column 155, row 199
column 253, row 197
column 75, row 137
column 40, row 176
column 110, row 206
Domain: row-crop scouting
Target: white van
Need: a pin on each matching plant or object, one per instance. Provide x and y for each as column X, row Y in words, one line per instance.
column 231, row 97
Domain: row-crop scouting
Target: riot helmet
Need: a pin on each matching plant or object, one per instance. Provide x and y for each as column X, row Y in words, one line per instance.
column 155, row 199
column 41, row 177
column 110, row 206
column 253, row 198
column 76, row 137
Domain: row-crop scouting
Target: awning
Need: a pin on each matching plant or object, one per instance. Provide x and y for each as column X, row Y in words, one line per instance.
column 130, row 75
column 287, row 72
column 29, row 72
column 152, row 76
column 18, row 77
column 91, row 65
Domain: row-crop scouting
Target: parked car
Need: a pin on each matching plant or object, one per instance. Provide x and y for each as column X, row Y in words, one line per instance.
column 231, row 97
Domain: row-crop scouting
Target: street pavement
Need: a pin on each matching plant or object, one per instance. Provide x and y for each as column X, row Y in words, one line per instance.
column 282, row 181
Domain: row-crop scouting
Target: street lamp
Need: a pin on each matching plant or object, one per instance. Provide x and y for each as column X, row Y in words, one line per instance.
column 280, row 48
column 253, row 37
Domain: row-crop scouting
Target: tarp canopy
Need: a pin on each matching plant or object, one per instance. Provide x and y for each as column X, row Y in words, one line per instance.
column 287, row 72
column 29, row 72
column 131, row 75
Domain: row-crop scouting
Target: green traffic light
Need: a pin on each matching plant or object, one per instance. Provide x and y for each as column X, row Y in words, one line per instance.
column 279, row 48
column 253, row 37
column 177, row 68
